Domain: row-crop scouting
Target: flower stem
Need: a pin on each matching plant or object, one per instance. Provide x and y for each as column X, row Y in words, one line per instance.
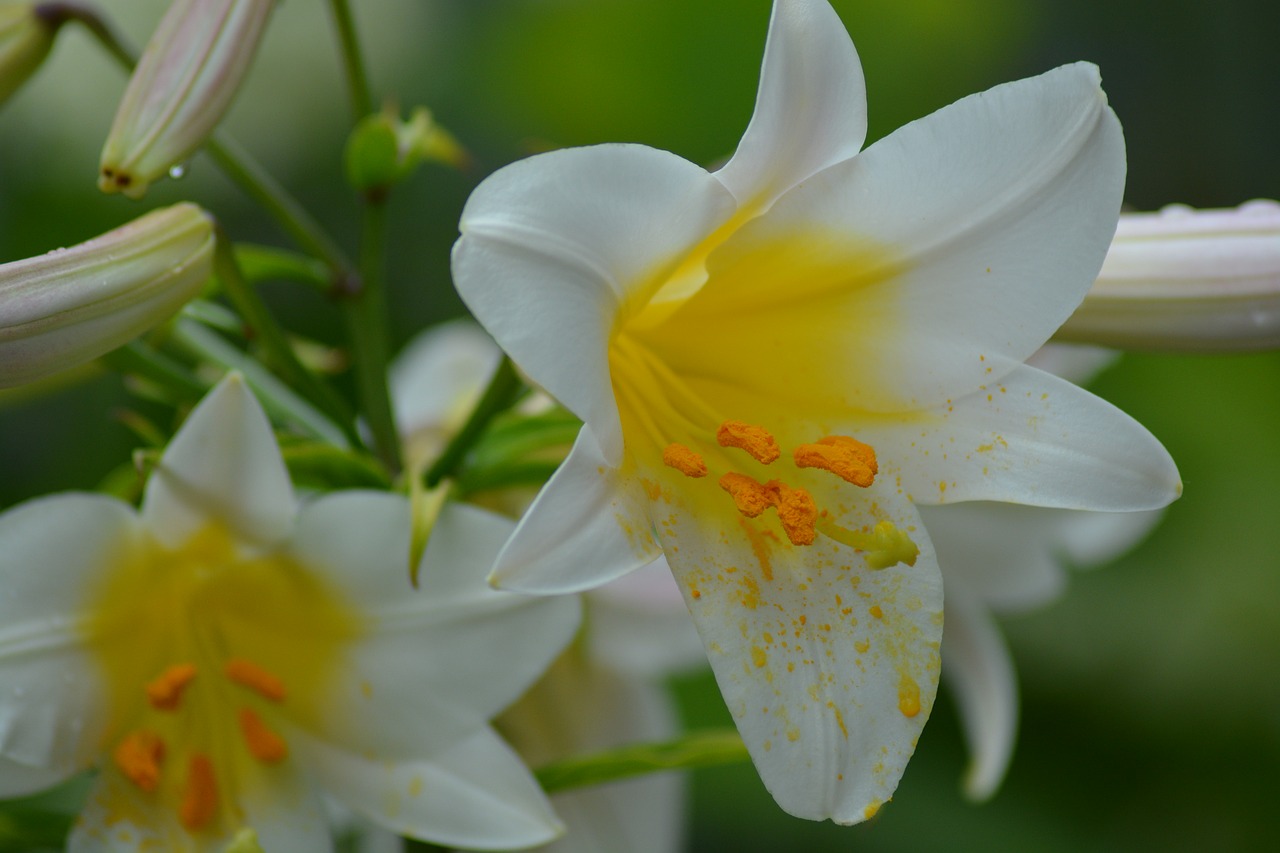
column 139, row 359
column 352, row 59
column 366, row 312
column 504, row 389
column 57, row 14
column 710, row 748
column 278, row 351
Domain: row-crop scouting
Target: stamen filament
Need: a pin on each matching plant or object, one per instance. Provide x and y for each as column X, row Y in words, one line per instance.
column 885, row 545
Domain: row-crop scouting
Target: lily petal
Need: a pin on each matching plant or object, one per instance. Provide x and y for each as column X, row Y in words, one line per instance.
column 828, row 667
column 51, row 551
column 487, row 645
column 920, row 269
column 578, row 258
column 223, row 466
column 811, row 108
column 983, row 682
column 1030, row 438
column 587, row 526
column 477, row 795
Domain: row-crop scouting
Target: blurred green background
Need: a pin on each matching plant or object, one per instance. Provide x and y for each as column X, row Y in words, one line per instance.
column 1151, row 691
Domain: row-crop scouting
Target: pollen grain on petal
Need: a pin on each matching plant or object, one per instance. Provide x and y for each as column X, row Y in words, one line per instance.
column 755, row 440
column 684, row 460
column 248, row 674
column 164, row 692
column 138, row 757
column 199, row 794
column 842, row 455
column 264, row 744
column 750, row 497
column 908, row 696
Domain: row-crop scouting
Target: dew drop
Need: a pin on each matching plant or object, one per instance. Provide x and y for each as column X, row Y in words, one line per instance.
column 177, row 170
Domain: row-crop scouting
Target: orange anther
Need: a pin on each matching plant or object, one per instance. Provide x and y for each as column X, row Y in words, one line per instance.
column 750, row 497
column 684, row 460
column 200, row 794
column 249, row 674
column 165, row 691
column 263, row 743
column 843, row 456
column 138, row 757
column 753, row 439
column 796, row 511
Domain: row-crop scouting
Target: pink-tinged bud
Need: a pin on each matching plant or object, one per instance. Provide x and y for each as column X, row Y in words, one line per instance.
column 25, row 40
column 72, row 305
column 183, row 84
column 1185, row 279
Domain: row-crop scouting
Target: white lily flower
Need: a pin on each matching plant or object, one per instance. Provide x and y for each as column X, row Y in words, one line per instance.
column 1186, row 279
column 68, row 306
column 867, row 313
column 604, row 691
column 223, row 656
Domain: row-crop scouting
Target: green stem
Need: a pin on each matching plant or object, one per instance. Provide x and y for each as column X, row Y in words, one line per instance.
column 366, row 311
column 352, row 59
column 711, row 748
column 139, row 359
column 280, row 354
column 504, row 389
column 259, row 185
column 57, row 14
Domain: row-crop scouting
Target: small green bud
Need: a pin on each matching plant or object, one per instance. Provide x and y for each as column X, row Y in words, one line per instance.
column 25, row 40
column 66, row 307
column 184, row 83
column 383, row 150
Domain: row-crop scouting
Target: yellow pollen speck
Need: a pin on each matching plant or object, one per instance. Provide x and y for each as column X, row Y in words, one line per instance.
column 846, row 457
column 862, row 646
column 835, row 709
column 684, row 460
column 250, row 675
column 756, row 441
column 871, row 809
column 138, row 757
column 264, row 744
column 758, row 657
column 759, row 547
column 876, row 611
column 415, row 786
column 696, row 593
column 200, row 794
column 165, row 691
column 908, row 696
column 651, row 489
column 793, row 735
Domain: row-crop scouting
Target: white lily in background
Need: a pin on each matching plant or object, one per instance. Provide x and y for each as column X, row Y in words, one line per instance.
column 1006, row 558
column 224, row 655
column 605, row 690
column 65, row 307
column 865, row 314
column 1186, row 279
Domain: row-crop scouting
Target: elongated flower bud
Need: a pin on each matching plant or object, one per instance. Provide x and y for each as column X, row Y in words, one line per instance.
column 183, row 84
column 1185, row 279
column 25, row 40
column 72, row 305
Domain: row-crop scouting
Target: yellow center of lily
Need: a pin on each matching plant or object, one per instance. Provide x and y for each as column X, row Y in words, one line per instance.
column 208, row 652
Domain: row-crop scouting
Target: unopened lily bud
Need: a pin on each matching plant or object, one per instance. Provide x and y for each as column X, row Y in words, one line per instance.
column 25, row 40
column 1186, row 279
column 383, row 150
column 183, row 84
column 72, row 305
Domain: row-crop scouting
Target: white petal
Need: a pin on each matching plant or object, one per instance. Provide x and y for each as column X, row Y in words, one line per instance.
column 1094, row 538
column 829, row 667
column 811, row 110
column 439, row 375
column 983, row 682
column 223, row 465
column 1029, row 438
column 587, row 526
column 933, row 261
column 476, row 795
column 638, row 624
column 286, row 812
column 119, row 818
column 1076, row 363
column 554, row 247
column 439, row 661
column 52, row 551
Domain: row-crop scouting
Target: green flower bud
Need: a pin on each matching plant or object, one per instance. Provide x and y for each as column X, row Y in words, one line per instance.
column 1188, row 280
column 25, row 40
column 72, row 305
column 183, row 84
column 383, row 150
